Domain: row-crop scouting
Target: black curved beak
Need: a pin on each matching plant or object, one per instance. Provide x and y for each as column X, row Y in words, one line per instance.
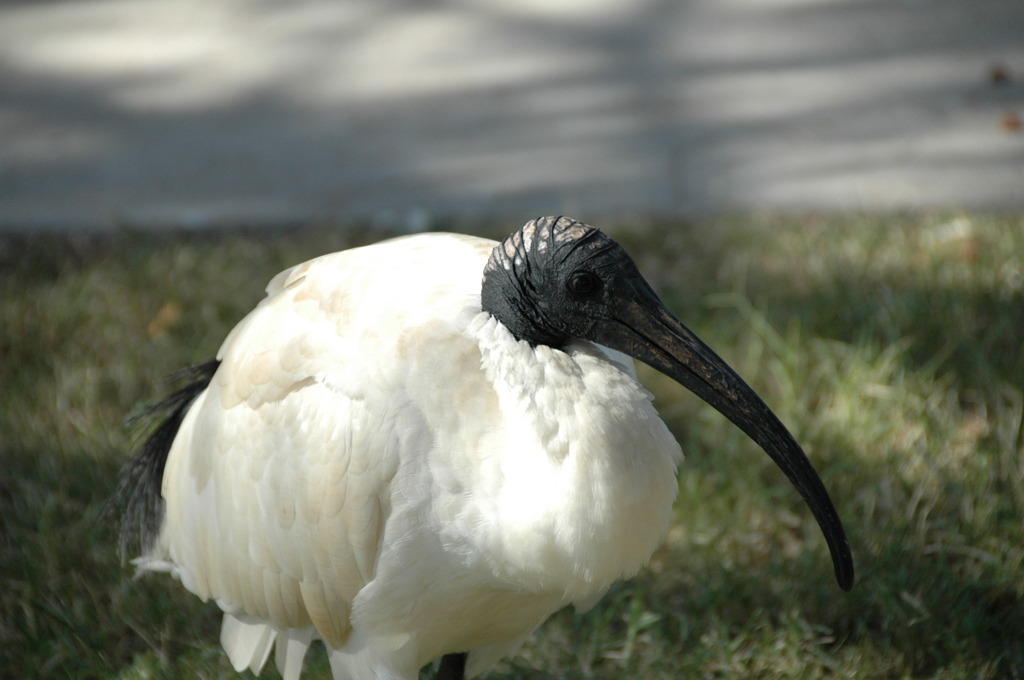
column 643, row 328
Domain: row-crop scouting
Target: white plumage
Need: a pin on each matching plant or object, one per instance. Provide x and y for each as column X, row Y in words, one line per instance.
column 380, row 464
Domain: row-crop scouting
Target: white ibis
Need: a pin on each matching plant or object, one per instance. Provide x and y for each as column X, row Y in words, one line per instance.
column 422, row 448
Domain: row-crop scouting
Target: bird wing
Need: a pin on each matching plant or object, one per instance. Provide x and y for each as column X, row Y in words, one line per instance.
column 278, row 484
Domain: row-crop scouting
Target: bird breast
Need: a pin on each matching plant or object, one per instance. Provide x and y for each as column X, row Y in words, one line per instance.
column 553, row 470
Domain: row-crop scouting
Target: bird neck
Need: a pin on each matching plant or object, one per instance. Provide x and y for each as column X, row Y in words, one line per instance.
column 583, row 479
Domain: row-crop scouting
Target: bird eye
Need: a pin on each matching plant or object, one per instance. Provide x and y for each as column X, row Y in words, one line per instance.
column 583, row 284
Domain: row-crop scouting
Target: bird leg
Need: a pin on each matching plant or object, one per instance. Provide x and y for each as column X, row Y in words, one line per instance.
column 453, row 667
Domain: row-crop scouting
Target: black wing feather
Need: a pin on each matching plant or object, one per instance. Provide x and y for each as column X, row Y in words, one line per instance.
column 140, row 480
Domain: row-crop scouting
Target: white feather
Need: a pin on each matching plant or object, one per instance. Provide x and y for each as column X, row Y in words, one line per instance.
column 290, row 651
column 247, row 641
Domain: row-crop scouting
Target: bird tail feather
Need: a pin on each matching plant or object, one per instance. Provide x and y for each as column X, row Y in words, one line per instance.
column 248, row 641
column 292, row 645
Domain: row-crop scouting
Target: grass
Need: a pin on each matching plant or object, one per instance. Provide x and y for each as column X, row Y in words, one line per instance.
column 891, row 346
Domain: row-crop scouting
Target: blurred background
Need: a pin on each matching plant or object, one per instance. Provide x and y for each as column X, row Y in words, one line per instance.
column 190, row 112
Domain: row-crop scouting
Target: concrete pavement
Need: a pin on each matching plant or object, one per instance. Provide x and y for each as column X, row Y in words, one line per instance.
column 200, row 112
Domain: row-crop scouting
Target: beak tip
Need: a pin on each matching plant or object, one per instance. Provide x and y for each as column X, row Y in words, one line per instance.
column 844, row 569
